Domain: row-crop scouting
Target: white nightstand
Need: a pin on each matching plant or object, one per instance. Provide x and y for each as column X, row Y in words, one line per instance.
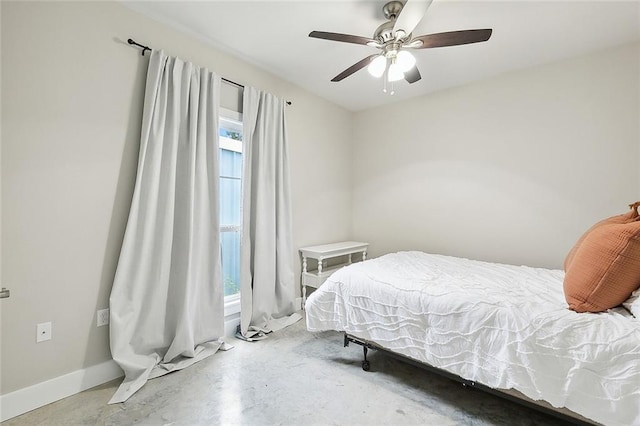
column 321, row 253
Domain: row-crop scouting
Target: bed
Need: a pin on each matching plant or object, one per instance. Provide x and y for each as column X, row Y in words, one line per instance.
column 504, row 327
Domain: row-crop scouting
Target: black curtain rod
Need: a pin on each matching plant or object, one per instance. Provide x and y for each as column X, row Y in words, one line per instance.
column 145, row 48
column 142, row 46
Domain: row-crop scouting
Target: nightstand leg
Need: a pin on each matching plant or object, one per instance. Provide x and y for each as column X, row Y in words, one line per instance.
column 304, row 287
column 364, row 256
column 304, row 296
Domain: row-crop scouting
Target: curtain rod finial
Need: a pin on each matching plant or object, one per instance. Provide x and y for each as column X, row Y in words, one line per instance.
column 144, row 48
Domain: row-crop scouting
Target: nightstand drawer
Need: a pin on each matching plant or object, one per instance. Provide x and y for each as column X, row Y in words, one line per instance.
column 315, row 279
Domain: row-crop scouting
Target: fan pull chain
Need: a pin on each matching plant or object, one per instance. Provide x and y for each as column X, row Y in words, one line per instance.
column 388, row 87
column 385, row 78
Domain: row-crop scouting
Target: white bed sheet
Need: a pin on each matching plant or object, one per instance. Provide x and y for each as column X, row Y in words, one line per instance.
column 505, row 326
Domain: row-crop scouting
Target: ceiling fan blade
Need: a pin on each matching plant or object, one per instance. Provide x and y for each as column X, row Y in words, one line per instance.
column 346, row 38
column 355, row 67
column 410, row 16
column 412, row 75
column 452, row 38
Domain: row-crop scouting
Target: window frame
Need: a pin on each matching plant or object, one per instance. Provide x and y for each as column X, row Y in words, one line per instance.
column 234, row 119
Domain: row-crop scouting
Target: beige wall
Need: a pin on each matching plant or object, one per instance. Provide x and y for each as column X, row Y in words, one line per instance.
column 511, row 169
column 71, row 108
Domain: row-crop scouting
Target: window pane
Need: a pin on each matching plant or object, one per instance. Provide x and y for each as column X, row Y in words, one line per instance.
column 230, row 261
column 230, row 163
column 230, row 201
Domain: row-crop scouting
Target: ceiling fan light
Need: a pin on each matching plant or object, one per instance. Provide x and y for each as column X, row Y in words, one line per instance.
column 405, row 60
column 377, row 66
column 395, row 72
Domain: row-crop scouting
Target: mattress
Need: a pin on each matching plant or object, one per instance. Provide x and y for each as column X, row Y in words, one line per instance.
column 504, row 326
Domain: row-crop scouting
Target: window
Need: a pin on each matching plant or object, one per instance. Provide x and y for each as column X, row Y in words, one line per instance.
column 230, row 201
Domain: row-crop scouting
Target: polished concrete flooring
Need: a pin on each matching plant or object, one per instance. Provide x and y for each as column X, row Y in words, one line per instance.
column 292, row 378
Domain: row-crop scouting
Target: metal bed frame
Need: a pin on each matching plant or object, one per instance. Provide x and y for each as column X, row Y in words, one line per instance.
column 366, row 366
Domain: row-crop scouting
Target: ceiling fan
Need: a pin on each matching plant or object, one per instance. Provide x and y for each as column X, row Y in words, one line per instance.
column 394, row 38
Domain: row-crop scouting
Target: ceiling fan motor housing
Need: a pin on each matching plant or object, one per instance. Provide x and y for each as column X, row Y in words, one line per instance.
column 384, row 32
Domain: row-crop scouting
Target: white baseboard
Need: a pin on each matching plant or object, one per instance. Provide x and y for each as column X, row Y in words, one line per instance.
column 23, row 400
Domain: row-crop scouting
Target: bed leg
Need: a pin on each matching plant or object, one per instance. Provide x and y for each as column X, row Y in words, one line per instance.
column 365, row 363
column 365, row 349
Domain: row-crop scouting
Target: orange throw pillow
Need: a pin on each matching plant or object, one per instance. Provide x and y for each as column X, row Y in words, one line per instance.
column 621, row 218
column 605, row 267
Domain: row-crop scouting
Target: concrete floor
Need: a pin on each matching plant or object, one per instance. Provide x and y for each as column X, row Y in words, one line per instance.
column 292, row 378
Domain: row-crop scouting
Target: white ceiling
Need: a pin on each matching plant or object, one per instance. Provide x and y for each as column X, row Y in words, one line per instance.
column 274, row 36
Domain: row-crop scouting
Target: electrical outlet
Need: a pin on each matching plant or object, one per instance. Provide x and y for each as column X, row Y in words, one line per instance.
column 102, row 317
column 43, row 332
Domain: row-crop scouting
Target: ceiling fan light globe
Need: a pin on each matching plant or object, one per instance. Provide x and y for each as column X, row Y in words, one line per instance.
column 377, row 66
column 395, row 73
column 405, row 60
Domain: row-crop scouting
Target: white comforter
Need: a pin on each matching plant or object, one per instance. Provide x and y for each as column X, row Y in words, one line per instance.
column 507, row 327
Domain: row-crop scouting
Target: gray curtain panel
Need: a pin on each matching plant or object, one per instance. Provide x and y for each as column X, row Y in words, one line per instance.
column 167, row 302
column 267, row 279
